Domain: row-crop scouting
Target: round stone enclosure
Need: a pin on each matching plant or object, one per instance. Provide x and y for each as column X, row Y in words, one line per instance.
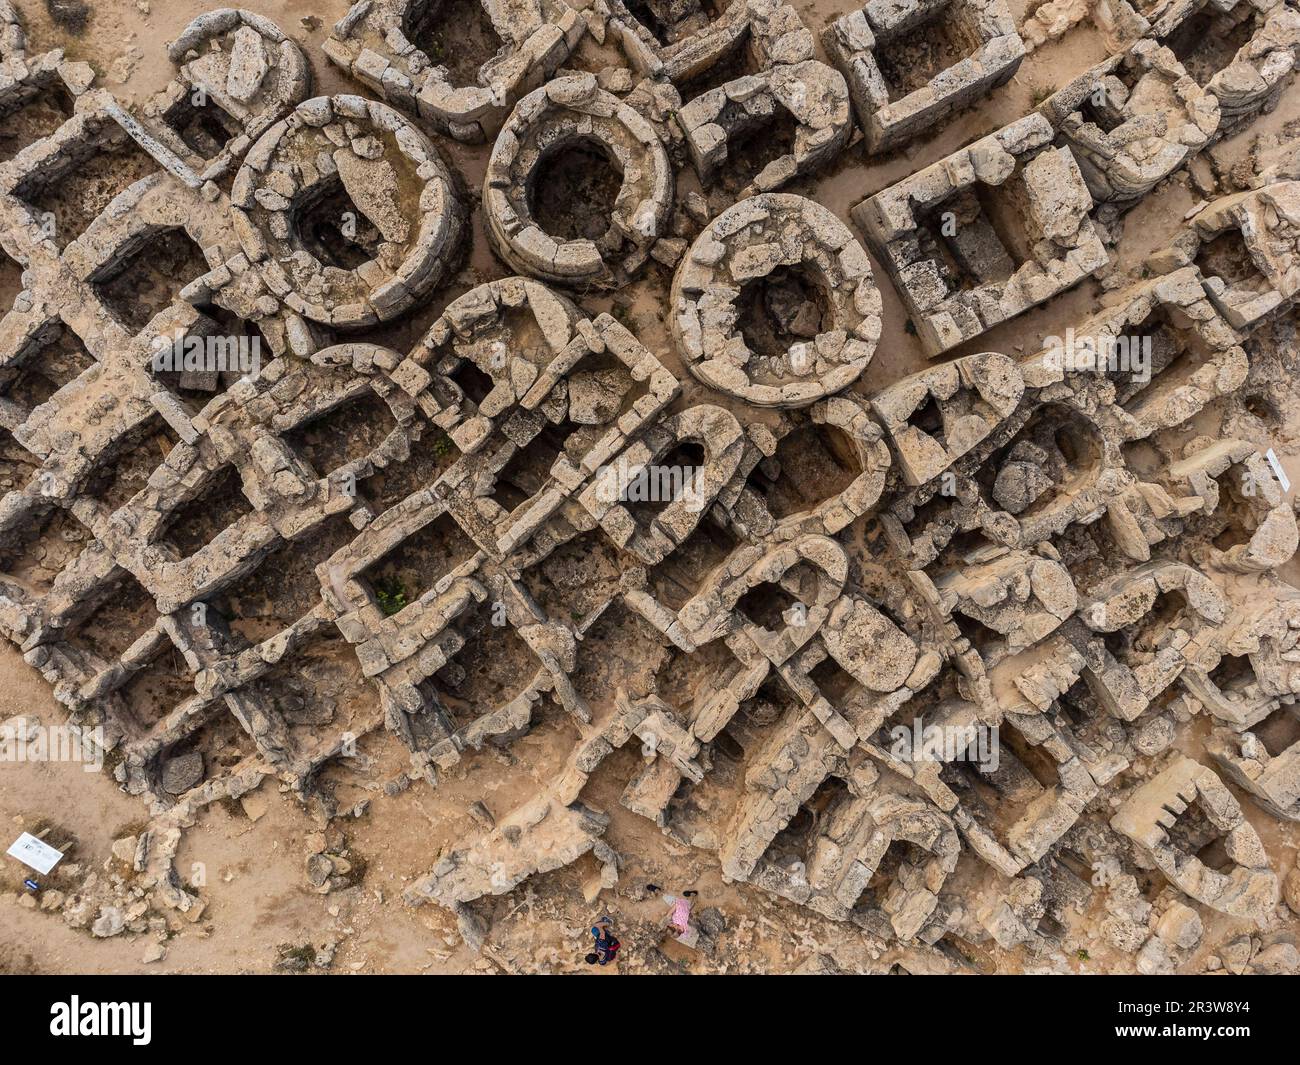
column 775, row 303
column 572, row 115
column 347, row 211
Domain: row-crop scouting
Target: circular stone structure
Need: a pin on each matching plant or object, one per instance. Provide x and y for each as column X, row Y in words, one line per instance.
column 833, row 302
column 347, row 211
column 575, row 113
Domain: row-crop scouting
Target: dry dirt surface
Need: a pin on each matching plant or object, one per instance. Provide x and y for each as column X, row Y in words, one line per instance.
column 463, row 474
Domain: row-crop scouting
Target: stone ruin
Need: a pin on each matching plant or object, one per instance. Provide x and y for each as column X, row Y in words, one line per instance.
column 1132, row 120
column 985, row 234
column 830, row 277
column 240, row 574
column 570, row 114
column 285, row 198
column 406, row 51
column 974, row 48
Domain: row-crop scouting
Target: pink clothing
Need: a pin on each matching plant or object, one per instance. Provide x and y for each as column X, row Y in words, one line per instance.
column 681, row 915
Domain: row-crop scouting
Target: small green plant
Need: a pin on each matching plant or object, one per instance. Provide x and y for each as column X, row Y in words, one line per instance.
column 390, row 595
column 442, row 445
column 1081, row 954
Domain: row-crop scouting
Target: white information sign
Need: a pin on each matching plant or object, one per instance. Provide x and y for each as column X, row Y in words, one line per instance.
column 34, row 852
